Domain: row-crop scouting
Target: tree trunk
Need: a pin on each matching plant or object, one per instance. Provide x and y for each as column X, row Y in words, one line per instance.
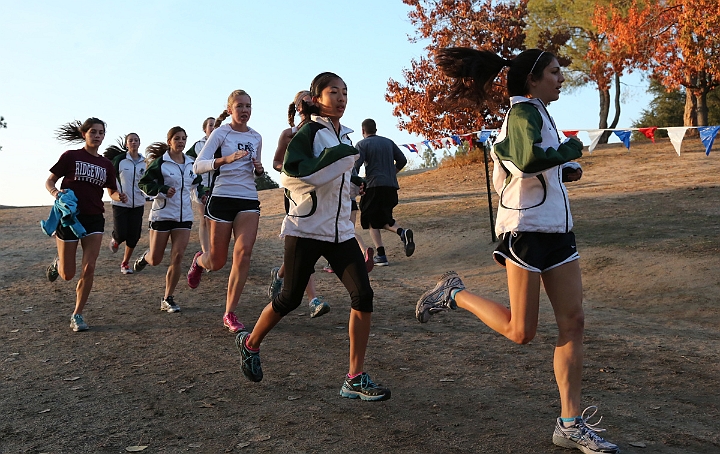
column 690, row 114
column 606, row 135
column 604, row 112
column 701, row 99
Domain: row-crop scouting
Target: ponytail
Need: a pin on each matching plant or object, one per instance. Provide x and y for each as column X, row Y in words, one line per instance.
column 220, row 118
column 154, row 151
column 291, row 114
column 73, row 131
column 473, row 71
column 113, row 151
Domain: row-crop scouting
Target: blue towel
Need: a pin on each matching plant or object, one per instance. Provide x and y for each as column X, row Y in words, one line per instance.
column 64, row 212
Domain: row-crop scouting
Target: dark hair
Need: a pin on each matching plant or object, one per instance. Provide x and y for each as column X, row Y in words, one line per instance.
column 125, row 139
column 319, row 83
column 157, row 149
column 474, row 71
column 73, row 131
column 174, row 130
column 117, row 149
column 369, row 126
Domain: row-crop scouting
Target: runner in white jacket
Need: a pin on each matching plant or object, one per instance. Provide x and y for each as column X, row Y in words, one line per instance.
column 317, row 172
column 534, row 223
column 171, row 182
column 127, row 216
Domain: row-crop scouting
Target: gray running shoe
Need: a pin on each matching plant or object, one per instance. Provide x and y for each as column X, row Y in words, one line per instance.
column 364, row 388
column 439, row 298
column 52, row 272
column 77, row 323
column 318, row 307
column 381, row 260
column 251, row 368
column 168, row 304
column 583, row 436
column 140, row 263
column 275, row 283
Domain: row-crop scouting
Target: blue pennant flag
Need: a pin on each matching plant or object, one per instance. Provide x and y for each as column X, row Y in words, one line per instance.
column 624, row 136
column 483, row 136
column 707, row 135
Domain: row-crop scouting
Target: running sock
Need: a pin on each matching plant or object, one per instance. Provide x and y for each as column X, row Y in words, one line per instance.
column 455, row 292
column 568, row 422
column 400, row 231
column 381, row 250
column 254, row 350
column 353, row 376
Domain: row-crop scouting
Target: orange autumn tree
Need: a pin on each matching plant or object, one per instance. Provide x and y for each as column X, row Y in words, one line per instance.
column 679, row 45
column 421, row 102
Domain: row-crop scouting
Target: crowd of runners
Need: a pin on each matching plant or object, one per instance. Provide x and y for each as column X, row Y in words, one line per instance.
column 213, row 184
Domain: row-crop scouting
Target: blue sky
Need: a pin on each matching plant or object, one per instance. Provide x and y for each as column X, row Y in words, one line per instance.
column 146, row 66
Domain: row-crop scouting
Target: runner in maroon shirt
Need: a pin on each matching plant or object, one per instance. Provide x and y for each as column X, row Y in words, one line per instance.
column 85, row 172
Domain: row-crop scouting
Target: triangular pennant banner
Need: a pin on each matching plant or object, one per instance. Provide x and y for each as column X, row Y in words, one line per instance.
column 649, row 132
column 594, row 138
column 569, row 133
column 624, row 136
column 676, row 134
column 427, row 143
column 483, row 136
column 455, row 139
column 707, row 135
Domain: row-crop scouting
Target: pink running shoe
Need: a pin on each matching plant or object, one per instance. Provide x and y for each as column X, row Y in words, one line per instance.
column 232, row 323
column 369, row 262
column 195, row 272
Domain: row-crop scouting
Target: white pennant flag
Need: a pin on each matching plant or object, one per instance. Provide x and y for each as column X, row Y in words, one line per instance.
column 594, row 138
column 676, row 135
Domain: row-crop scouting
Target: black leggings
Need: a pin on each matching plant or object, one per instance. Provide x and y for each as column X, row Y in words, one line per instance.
column 347, row 263
column 127, row 224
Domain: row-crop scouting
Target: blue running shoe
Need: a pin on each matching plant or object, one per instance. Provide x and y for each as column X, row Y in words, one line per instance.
column 364, row 388
column 251, row 368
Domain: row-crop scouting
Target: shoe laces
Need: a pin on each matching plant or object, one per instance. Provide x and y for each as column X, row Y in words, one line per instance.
column 590, row 429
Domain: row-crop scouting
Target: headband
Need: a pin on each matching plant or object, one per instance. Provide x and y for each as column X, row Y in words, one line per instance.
column 536, row 60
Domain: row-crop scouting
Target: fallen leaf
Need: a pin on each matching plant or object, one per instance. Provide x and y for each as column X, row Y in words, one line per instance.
column 44, row 411
column 293, row 397
column 135, row 448
column 261, row 437
column 446, row 380
column 638, row 444
column 206, row 405
column 194, row 445
column 162, row 381
column 15, row 331
column 244, row 444
column 71, row 378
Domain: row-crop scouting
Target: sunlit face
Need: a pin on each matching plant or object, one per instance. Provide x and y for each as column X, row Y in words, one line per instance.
column 209, row 126
column 177, row 141
column 95, row 135
column 333, row 99
column 240, row 109
column 132, row 142
column 548, row 87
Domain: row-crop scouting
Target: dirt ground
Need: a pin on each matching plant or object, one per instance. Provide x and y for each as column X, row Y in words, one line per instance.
column 647, row 223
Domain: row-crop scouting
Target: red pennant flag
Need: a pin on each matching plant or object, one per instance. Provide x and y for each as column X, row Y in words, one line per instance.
column 649, row 132
column 570, row 133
